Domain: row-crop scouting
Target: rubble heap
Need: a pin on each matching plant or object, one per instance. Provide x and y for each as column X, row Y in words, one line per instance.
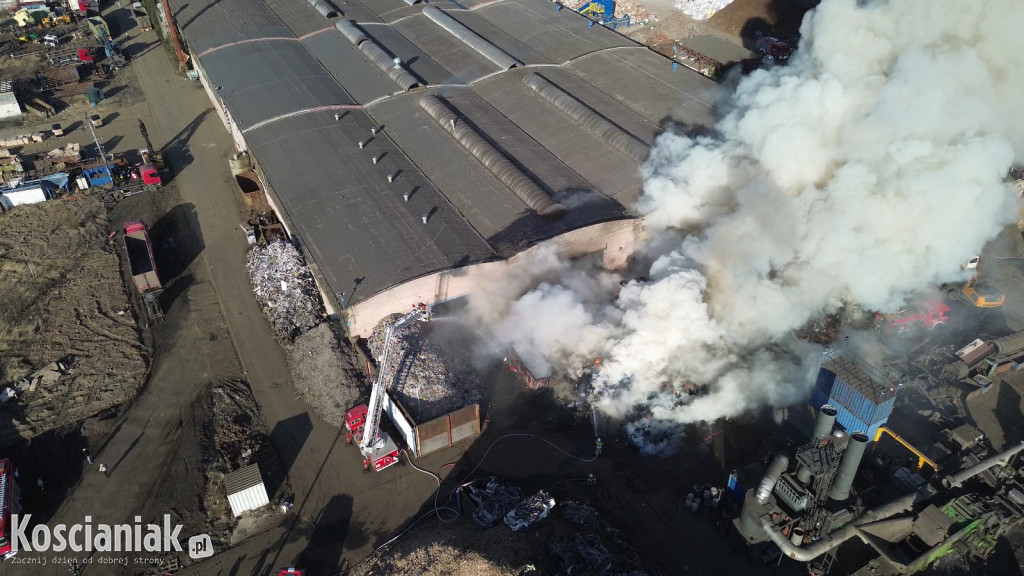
column 433, row 375
column 326, row 373
column 701, row 9
column 583, row 555
column 284, row 288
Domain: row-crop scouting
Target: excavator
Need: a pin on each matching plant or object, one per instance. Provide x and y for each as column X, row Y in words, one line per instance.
column 149, row 154
column 975, row 290
column 363, row 422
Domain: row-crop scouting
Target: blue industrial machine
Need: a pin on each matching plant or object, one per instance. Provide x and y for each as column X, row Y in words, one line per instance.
column 862, row 394
column 603, row 12
column 111, row 50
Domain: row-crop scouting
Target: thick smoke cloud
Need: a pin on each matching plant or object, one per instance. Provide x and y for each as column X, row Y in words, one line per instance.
column 867, row 168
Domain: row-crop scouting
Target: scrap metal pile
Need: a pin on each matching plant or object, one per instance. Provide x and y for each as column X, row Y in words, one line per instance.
column 530, row 511
column 636, row 12
column 701, row 9
column 496, row 501
column 285, row 289
column 493, row 501
column 429, row 374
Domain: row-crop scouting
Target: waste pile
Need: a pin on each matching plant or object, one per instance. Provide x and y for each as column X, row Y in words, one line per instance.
column 493, row 500
column 530, row 511
column 583, row 555
column 429, row 374
column 285, row 289
column 325, row 373
column 636, row 12
column 701, row 9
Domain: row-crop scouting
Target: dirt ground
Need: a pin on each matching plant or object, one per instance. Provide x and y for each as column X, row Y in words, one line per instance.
column 64, row 295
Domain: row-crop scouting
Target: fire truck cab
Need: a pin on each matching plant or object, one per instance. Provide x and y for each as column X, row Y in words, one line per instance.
column 923, row 316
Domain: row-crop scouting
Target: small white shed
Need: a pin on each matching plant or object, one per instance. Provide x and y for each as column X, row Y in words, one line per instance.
column 9, row 107
column 245, row 490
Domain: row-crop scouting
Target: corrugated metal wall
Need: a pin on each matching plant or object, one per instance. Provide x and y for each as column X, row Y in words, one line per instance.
column 248, row 499
column 448, row 429
column 854, row 411
column 406, row 427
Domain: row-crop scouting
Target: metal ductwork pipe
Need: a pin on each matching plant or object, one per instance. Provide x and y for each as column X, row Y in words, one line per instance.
column 848, row 466
column 349, row 30
column 387, row 65
column 771, row 477
column 470, row 38
column 1009, row 345
column 535, row 197
column 325, row 9
column 834, row 539
column 824, row 424
column 956, row 480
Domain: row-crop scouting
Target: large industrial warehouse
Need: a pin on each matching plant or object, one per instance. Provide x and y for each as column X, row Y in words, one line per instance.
column 412, row 149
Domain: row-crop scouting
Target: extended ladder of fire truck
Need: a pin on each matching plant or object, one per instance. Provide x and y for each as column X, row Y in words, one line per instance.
column 374, row 442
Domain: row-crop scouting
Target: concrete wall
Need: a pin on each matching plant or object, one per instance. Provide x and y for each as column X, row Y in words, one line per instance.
column 617, row 240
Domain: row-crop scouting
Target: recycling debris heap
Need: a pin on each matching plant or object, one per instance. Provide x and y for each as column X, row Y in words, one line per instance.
column 285, row 289
column 434, row 376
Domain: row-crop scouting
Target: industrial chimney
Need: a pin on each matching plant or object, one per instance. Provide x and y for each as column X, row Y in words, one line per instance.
column 848, row 467
column 823, row 425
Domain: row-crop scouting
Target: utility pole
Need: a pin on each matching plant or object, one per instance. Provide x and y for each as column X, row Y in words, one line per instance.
column 174, row 36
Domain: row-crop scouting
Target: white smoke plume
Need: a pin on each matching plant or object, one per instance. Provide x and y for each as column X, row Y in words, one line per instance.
column 867, row 168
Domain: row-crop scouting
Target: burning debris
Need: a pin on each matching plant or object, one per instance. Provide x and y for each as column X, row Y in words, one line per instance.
column 432, row 376
column 816, row 188
column 285, row 289
column 821, row 331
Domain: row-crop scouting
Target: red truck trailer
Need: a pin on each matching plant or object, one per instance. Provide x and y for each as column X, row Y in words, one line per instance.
column 139, row 253
column 10, row 503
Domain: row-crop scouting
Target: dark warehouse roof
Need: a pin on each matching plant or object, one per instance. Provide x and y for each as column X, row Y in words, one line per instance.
column 497, row 112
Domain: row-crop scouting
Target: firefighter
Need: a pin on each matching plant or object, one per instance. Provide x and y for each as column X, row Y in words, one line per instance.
column 366, row 465
column 597, row 447
column 348, row 438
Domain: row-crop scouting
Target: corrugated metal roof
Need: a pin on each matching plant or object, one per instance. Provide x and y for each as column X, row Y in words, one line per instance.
column 211, row 23
column 364, row 238
column 549, row 35
column 358, row 228
column 242, row 479
column 264, row 80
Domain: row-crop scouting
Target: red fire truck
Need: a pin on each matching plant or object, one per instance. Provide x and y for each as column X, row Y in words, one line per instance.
column 923, row 316
column 10, row 503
